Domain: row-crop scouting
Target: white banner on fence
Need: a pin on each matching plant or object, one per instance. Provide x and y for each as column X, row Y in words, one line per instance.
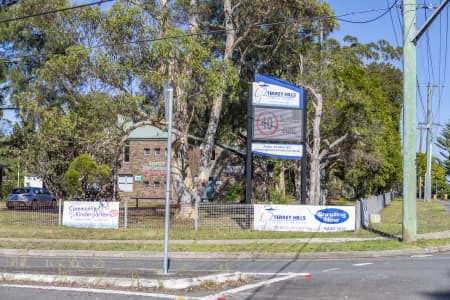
column 91, row 214
column 307, row 218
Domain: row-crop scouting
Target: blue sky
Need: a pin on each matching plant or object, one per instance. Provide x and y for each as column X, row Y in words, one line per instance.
column 433, row 61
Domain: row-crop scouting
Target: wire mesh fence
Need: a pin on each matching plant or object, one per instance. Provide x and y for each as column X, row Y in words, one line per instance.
column 227, row 217
column 204, row 216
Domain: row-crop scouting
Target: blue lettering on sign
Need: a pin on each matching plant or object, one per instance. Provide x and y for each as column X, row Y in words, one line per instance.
column 331, row 216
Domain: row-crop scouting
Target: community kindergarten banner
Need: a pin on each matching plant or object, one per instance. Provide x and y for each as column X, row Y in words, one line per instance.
column 91, row 214
column 307, row 218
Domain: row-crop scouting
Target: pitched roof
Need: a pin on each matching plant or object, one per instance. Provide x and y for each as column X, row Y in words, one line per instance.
column 147, row 132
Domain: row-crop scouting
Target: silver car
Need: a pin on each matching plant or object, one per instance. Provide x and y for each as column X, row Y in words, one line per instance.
column 30, row 197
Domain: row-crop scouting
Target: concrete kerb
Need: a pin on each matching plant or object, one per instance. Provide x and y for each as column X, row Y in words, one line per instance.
column 171, row 283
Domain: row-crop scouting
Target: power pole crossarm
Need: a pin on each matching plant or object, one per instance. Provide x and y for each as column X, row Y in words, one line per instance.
column 428, row 22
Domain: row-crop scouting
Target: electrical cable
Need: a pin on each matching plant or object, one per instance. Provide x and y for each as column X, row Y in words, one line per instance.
column 422, row 106
column 393, row 26
column 54, row 11
column 370, row 20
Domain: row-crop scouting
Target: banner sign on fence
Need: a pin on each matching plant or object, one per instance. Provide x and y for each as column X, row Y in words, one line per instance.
column 91, row 214
column 306, row 218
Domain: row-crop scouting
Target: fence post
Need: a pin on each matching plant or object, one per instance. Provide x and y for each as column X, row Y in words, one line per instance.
column 125, row 221
column 357, row 215
column 59, row 212
column 196, row 216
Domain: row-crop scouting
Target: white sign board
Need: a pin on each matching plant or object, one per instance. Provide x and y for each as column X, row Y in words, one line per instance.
column 307, row 218
column 33, row 181
column 286, row 151
column 91, row 214
column 273, row 92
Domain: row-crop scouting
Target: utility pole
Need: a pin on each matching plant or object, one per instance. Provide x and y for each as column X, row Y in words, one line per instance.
column 421, row 129
column 410, row 38
column 409, row 122
column 427, row 195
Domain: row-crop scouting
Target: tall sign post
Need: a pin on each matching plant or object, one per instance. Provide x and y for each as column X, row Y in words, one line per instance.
column 168, row 98
column 276, row 124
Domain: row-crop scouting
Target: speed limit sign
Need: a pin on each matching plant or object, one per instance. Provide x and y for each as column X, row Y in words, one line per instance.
column 266, row 123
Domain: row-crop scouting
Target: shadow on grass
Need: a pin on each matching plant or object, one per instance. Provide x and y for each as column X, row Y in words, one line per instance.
column 384, row 234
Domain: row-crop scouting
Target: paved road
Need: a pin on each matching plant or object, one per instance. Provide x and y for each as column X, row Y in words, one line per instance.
column 408, row 277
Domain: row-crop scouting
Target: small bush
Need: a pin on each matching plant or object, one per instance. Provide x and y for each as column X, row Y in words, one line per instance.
column 233, row 194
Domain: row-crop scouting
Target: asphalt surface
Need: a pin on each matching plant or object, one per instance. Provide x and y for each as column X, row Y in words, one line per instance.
column 122, row 268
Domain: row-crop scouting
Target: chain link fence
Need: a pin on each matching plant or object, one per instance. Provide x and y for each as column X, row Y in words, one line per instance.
column 206, row 216
column 211, row 216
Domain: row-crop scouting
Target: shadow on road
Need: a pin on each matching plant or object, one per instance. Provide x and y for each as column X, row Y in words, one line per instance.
column 283, row 268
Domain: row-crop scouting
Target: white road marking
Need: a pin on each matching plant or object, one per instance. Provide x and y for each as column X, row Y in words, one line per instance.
column 330, row 270
column 421, row 255
column 362, row 264
column 286, row 276
column 98, row 291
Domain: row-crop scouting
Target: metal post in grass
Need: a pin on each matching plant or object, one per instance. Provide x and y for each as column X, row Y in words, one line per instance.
column 196, row 216
column 168, row 97
column 59, row 212
column 125, row 221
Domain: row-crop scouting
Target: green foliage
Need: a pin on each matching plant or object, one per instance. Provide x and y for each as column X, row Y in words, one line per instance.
column 233, row 194
column 437, row 173
column 365, row 105
column 443, row 142
column 277, row 197
column 83, row 171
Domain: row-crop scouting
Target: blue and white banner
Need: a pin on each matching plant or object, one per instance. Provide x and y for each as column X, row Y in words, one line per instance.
column 91, row 214
column 307, row 218
column 285, row 151
column 273, row 92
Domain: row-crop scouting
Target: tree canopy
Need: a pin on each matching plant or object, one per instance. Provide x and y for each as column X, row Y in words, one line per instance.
column 73, row 74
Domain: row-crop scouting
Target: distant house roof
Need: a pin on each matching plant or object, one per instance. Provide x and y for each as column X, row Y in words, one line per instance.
column 147, row 132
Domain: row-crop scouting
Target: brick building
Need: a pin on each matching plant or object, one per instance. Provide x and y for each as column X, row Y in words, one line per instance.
column 142, row 170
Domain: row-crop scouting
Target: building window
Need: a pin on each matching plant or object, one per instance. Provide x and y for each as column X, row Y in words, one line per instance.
column 126, row 151
column 156, row 184
column 157, row 151
column 146, row 151
column 146, row 184
column 125, row 183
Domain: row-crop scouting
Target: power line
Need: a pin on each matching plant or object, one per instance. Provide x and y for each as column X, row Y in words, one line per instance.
column 370, row 20
column 393, row 26
column 53, row 11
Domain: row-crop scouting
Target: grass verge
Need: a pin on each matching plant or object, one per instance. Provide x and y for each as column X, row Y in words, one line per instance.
column 431, row 217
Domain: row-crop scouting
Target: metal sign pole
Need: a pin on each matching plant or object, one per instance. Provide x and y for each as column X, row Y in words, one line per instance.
column 304, row 158
column 168, row 97
column 249, row 159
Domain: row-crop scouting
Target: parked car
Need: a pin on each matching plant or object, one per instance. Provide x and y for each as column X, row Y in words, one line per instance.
column 30, row 197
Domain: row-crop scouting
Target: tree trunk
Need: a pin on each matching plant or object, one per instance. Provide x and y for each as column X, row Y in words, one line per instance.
column 282, row 183
column 314, row 170
column 216, row 110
